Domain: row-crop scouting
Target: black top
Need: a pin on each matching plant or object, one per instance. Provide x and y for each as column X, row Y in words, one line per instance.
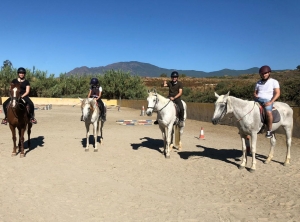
column 22, row 85
column 174, row 88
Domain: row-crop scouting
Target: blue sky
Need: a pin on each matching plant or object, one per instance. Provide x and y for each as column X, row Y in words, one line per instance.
column 58, row 36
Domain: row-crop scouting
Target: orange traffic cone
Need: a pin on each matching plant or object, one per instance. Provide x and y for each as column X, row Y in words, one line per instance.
column 201, row 136
column 143, row 111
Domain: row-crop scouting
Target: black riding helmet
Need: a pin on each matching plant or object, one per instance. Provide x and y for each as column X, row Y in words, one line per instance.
column 264, row 69
column 174, row 74
column 21, row 70
column 94, row 81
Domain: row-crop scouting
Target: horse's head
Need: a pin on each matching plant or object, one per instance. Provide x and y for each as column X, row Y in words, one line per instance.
column 220, row 108
column 152, row 102
column 15, row 95
column 88, row 106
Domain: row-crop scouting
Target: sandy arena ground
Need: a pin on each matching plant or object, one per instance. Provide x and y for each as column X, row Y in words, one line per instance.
column 130, row 180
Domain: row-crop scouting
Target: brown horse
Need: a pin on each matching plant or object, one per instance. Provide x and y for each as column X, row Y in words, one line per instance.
column 17, row 117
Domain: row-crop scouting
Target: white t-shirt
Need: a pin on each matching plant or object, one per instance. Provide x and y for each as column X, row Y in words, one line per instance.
column 265, row 90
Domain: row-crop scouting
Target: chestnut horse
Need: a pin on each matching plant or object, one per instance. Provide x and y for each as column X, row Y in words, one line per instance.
column 18, row 117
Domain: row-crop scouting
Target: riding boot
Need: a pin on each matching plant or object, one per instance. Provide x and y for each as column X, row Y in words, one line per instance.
column 81, row 118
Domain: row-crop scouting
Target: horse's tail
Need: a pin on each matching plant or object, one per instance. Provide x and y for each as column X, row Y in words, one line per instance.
column 177, row 134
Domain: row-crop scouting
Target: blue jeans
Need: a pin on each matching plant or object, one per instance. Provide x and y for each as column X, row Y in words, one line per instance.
column 263, row 101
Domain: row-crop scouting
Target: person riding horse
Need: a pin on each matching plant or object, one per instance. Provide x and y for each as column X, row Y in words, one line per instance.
column 96, row 93
column 175, row 92
column 266, row 92
column 24, row 91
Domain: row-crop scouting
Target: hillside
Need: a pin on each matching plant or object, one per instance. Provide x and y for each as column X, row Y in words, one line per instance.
column 149, row 70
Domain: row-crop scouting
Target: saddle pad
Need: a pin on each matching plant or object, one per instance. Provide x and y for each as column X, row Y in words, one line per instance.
column 275, row 113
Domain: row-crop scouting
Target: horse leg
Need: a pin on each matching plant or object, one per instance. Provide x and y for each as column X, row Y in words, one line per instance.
column 244, row 156
column 101, row 131
column 168, row 132
column 179, row 137
column 95, row 131
column 28, row 133
column 271, row 153
column 14, row 138
column 164, row 139
column 253, row 151
column 87, row 126
column 288, row 133
column 21, row 148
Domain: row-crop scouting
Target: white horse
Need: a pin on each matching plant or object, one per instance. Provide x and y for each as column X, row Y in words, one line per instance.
column 90, row 113
column 249, row 123
column 166, row 116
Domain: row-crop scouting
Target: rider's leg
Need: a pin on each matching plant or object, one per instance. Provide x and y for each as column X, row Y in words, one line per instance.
column 31, row 109
column 4, row 106
column 269, row 115
column 102, row 108
column 181, row 112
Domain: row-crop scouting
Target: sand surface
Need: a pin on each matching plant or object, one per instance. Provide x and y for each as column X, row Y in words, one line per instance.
column 130, row 180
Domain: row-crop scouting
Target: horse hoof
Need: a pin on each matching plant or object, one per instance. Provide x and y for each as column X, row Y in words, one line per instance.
column 241, row 167
column 167, row 157
column 251, row 170
column 286, row 164
column 95, row 150
column 86, row 150
column 22, row 155
column 14, row 154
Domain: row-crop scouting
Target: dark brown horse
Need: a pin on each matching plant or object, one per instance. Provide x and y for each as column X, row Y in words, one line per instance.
column 17, row 117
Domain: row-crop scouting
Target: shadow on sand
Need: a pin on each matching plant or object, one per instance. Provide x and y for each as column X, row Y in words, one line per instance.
column 213, row 153
column 34, row 143
column 149, row 143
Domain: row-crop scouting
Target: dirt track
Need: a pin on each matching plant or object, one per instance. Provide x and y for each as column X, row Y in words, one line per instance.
column 130, row 180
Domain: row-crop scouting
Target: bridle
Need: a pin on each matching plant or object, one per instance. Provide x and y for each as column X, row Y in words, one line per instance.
column 156, row 100
column 224, row 112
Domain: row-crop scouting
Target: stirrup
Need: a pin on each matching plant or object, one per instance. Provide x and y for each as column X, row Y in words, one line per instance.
column 155, row 122
column 4, row 121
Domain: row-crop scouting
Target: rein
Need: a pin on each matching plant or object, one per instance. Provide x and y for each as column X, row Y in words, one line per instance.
column 246, row 113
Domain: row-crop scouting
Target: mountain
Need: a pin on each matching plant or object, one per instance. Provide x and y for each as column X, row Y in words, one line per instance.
column 148, row 70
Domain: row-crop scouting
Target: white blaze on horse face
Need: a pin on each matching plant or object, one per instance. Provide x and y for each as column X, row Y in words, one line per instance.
column 220, row 106
column 14, row 96
column 151, row 103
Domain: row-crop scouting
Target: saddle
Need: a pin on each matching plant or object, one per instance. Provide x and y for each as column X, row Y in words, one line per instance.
column 263, row 116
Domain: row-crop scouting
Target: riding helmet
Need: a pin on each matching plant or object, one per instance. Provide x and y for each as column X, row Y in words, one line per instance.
column 174, row 74
column 264, row 69
column 94, row 81
column 21, row 70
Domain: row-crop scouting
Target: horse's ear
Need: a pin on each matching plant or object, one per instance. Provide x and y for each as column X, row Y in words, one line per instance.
column 216, row 95
column 80, row 99
column 148, row 91
column 228, row 93
column 154, row 90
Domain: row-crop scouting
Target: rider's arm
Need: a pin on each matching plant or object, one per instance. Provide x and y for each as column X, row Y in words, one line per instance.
column 255, row 93
column 179, row 94
column 89, row 93
column 100, row 93
column 27, row 91
column 164, row 84
column 276, row 95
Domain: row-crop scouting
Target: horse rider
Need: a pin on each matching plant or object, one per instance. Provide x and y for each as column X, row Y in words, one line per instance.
column 24, row 91
column 175, row 92
column 266, row 92
column 96, row 93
